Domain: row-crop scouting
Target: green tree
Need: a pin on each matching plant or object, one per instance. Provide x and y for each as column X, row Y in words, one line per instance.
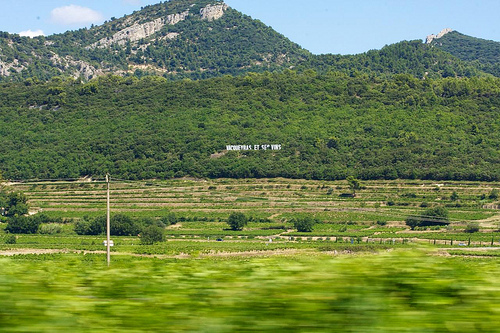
column 431, row 217
column 23, row 225
column 471, row 227
column 304, row 224
column 237, row 221
column 354, row 184
column 123, row 225
column 169, row 219
column 16, row 204
column 454, row 196
column 152, row 234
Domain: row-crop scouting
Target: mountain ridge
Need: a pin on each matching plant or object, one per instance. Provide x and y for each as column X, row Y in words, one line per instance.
column 199, row 39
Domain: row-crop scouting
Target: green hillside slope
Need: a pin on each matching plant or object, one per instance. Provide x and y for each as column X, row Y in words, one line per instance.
column 176, row 39
column 200, row 39
column 483, row 54
column 328, row 126
column 407, row 57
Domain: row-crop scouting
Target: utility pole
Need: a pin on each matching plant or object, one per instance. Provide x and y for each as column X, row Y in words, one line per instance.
column 108, row 240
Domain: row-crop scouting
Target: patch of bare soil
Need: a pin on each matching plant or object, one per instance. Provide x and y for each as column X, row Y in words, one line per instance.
column 490, row 222
column 14, row 252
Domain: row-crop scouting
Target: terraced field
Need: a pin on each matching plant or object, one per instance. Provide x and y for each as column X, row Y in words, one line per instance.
column 273, row 198
column 377, row 212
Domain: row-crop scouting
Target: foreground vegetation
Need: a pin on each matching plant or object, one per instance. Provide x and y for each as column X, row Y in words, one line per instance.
column 398, row 291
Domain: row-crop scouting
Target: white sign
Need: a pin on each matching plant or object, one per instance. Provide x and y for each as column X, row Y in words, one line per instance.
column 253, row 147
column 105, row 243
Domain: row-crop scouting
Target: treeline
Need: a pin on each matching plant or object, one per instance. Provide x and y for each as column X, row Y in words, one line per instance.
column 329, row 126
column 482, row 54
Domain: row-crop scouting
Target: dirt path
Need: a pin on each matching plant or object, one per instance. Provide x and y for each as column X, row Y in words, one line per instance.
column 14, row 252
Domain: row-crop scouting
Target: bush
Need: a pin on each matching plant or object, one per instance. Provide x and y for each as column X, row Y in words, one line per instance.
column 304, row 224
column 237, row 221
column 152, row 234
column 170, row 219
column 10, row 239
column 50, row 229
column 15, row 204
column 431, row 217
column 87, row 226
column 471, row 228
column 23, row 225
column 493, row 194
column 123, row 225
column 120, row 225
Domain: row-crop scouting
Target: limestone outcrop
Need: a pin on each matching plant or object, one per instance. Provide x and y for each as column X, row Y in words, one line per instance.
column 139, row 31
column 213, row 12
column 136, row 31
column 443, row 32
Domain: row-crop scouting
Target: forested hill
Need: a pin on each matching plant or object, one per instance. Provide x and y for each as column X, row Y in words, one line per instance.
column 317, row 126
column 176, row 39
column 200, row 39
column 481, row 53
column 406, row 57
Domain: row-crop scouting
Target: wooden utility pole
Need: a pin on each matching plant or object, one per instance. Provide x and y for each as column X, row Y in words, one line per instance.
column 108, row 240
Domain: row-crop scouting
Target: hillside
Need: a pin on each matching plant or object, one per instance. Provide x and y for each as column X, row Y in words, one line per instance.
column 406, row 57
column 175, row 39
column 484, row 54
column 200, row 39
column 324, row 127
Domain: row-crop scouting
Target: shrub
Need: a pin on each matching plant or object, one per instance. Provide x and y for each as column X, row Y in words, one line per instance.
column 431, row 217
column 493, row 194
column 152, row 234
column 123, row 225
column 96, row 226
column 237, row 221
column 471, row 228
column 120, row 225
column 169, row 219
column 23, row 225
column 10, row 239
column 304, row 224
column 50, row 229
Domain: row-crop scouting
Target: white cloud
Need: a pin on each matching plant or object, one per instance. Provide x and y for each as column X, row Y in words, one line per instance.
column 29, row 33
column 74, row 14
column 132, row 2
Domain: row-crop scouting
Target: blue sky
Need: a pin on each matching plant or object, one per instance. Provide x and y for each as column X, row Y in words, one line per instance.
column 321, row 26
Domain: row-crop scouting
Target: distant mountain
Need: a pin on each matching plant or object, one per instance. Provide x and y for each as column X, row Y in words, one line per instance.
column 179, row 38
column 199, row 39
column 481, row 53
column 407, row 57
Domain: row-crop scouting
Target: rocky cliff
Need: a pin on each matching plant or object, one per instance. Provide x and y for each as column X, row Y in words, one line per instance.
column 136, row 31
column 443, row 32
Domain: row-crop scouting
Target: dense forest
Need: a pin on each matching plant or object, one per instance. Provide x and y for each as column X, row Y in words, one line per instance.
column 480, row 53
column 329, row 126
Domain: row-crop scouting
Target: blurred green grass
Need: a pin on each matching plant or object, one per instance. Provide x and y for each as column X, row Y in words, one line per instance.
column 396, row 291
